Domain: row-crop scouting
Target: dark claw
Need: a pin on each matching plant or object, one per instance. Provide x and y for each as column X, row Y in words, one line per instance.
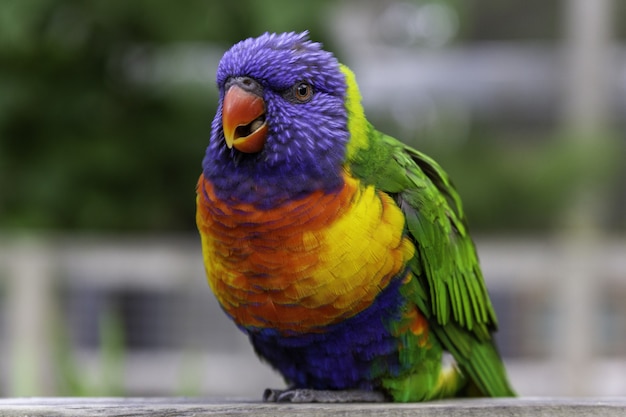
column 270, row 395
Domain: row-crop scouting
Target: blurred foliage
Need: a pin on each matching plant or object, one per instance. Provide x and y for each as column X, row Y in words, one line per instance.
column 112, row 353
column 81, row 146
column 71, row 378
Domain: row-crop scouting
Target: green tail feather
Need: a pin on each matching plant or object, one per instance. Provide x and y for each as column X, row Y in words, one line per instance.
column 478, row 360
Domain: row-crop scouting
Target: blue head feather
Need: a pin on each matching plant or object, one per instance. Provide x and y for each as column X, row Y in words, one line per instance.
column 306, row 142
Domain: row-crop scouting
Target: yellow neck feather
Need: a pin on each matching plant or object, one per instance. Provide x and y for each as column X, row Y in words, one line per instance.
column 357, row 123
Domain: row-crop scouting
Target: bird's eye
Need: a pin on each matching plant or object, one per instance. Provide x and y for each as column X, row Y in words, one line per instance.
column 302, row 92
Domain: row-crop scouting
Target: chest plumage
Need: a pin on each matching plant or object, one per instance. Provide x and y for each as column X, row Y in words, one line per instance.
column 306, row 264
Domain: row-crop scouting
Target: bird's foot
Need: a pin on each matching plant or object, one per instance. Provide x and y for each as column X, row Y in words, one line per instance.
column 300, row 395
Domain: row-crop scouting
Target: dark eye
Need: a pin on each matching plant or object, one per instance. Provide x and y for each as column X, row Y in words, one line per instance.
column 302, row 92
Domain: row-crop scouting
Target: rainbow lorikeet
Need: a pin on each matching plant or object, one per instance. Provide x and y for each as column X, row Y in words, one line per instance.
column 342, row 253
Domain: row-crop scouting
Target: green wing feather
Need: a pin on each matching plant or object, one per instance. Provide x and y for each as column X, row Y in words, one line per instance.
column 453, row 292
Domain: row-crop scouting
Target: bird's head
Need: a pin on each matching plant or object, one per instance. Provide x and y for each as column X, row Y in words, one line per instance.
column 281, row 127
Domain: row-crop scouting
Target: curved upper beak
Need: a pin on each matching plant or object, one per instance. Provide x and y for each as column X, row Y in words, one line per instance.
column 243, row 120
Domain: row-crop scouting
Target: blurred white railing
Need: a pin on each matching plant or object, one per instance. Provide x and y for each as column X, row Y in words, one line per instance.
column 31, row 268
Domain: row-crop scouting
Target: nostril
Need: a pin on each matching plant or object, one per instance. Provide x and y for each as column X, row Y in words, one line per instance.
column 249, row 84
column 246, row 83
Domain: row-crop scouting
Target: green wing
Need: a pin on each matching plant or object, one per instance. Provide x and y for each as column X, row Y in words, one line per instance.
column 453, row 292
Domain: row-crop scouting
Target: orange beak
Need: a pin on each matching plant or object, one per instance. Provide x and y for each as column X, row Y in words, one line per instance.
column 243, row 119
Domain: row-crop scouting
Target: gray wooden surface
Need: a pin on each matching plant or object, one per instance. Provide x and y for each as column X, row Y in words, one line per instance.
column 198, row 407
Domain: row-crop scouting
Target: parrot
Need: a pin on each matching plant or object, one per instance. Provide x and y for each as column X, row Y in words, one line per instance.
column 342, row 253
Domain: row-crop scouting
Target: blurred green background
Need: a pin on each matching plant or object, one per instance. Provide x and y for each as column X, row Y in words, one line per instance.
column 105, row 111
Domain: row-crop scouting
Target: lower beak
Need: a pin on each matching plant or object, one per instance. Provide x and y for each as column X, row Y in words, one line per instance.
column 243, row 120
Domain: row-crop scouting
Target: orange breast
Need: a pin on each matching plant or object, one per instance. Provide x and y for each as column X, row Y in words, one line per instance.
column 306, row 264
